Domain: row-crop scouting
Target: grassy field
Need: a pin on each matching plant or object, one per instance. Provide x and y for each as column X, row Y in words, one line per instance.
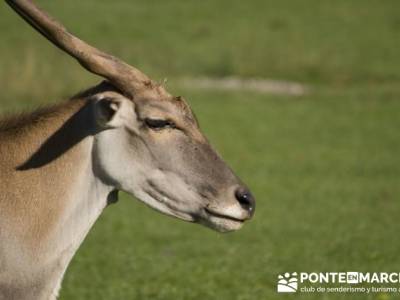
column 324, row 167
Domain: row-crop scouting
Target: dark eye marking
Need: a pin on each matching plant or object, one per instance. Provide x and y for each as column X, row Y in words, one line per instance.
column 158, row 124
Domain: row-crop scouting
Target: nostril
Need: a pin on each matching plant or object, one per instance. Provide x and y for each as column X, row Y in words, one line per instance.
column 246, row 199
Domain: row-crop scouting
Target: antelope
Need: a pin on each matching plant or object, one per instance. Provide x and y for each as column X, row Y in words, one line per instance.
column 61, row 166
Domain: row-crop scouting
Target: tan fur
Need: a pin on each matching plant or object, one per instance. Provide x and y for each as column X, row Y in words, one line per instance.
column 33, row 201
column 29, row 189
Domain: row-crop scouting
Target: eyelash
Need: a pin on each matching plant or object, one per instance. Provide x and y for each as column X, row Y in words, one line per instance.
column 157, row 124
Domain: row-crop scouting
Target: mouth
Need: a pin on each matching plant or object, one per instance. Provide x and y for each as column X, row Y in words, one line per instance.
column 222, row 216
column 220, row 222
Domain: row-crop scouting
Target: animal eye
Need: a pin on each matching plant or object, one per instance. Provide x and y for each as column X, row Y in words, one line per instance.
column 159, row 124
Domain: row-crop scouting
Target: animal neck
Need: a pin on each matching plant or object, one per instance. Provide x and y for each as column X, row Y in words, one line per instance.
column 51, row 198
column 83, row 207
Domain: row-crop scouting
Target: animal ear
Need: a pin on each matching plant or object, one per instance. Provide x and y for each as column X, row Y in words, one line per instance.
column 106, row 111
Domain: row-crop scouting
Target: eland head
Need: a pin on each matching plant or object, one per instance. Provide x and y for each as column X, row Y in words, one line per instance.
column 148, row 143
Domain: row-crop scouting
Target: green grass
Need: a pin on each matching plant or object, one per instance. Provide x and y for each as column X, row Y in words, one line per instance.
column 325, row 167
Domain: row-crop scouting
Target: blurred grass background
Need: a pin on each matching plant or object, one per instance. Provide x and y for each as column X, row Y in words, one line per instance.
column 325, row 166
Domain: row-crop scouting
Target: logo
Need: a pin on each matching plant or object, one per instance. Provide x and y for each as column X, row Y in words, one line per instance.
column 338, row 282
column 287, row 283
